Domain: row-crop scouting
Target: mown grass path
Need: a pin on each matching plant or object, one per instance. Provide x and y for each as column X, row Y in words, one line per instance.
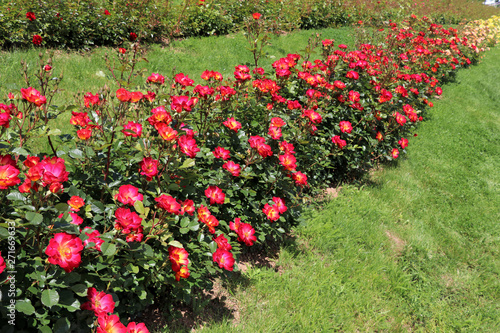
column 416, row 249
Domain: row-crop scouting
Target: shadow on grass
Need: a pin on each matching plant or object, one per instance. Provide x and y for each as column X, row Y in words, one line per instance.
column 217, row 305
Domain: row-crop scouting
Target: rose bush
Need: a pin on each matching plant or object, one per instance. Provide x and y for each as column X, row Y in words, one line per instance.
column 165, row 181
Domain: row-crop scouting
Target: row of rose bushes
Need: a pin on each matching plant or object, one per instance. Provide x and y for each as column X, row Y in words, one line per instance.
column 165, row 182
column 88, row 23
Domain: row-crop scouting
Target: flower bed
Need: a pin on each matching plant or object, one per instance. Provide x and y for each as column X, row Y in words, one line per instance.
column 163, row 184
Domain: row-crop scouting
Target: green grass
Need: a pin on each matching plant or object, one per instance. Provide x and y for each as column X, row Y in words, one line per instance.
column 83, row 70
column 417, row 248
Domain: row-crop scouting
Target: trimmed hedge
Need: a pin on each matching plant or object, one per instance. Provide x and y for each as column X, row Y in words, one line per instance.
column 87, row 23
column 165, row 182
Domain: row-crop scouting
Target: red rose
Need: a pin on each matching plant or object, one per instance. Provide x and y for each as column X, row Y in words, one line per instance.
column 288, row 161
column 30, row 16
column 232, row 124
column 132, row 129
column 220, row 152
column 128, row 195
column 300, row 178
column 345, row 127
column 187, row 206
column 99, row 302
column 183, row 80
column 188, row 146
column 33, row 96
column 180, row 103
column 395, row 153
column 123, row 95
column 149, row 168
column 224, row 259
column 110, row 323
column 403, row 143
column 133, row 36
column 168, row 203
column 37, row 40
column 127, row 221
column 279, row 204
column 222, row 243
column 256, row 16
column 53, row 170
column 339, row 142
column 2, row 263
column 75, row 202
column 178, row 257
column 215, row 195
column 233, row 168
column 271, row 212
column 246, row 234
column 64, row 250
column 84, row 133
column 8, row 176
column 156, row 78
column 91, row 100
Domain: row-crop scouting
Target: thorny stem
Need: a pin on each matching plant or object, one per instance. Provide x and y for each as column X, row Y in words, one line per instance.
column 109, row 156
column 136, row 49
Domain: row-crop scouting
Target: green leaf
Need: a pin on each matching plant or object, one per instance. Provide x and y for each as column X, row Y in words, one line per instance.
column 108, row 249
column 34, row 218
column 187, row 163
column 68, row 301
column 25, row 307
column 148, row 250
column 213, row 246
column 115, row 183
column 15, row 196
column 103, row 147
column 4, row 233
column 20, row 151
column 97, row 207
column 50, row 297
column 133, row 268
column 55, row 131
column 71, row 278
column 76, row 153
column 143, row 294
column 62, row 207
column 139, row 207
column 184, row 222
column 80, row 289
column 173, row 187
column 45, row 329
column 89, row 151
column 62, row 326
column 175, row 244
